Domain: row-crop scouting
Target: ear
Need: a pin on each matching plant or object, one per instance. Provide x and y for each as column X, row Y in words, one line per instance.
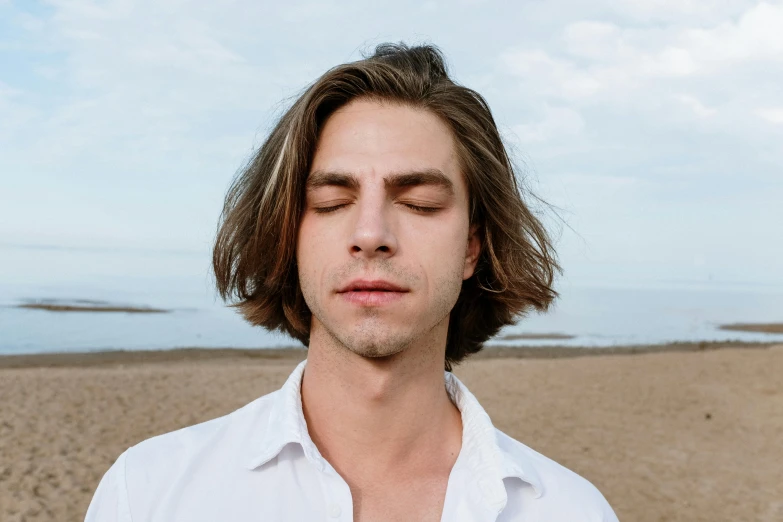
column 472, row 252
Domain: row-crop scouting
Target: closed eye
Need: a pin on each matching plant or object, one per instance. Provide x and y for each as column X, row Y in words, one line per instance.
column 326, row 210
column 417, row 208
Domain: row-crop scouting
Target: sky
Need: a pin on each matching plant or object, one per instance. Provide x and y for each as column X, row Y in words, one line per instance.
column 653, row 127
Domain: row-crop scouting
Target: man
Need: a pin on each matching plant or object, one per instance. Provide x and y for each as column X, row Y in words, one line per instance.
column 380, row 224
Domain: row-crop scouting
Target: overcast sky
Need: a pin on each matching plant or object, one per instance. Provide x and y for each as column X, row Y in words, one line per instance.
column 655, row 125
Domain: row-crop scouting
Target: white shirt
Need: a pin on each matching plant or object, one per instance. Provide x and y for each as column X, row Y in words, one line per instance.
column 258, row 463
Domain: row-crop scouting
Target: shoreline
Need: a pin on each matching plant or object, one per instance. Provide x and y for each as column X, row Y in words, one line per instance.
column 296, row 354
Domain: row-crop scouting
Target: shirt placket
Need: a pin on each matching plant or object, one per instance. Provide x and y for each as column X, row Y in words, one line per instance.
column 338, row 501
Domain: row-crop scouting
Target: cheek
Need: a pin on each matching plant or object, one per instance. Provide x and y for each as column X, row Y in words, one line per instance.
column 307, row 248
column 311, row 237
column 443, row 252
column 452, row 242
column 317, row 255
column 446, row 262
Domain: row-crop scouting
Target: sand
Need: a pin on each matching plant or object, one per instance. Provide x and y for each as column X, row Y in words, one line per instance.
column 688, row 434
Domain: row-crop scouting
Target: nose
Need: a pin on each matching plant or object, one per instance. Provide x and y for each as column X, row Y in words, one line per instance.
column 373, row 236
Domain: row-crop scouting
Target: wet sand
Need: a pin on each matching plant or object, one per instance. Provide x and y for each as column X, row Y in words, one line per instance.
column 686, row 432
column 536, row 336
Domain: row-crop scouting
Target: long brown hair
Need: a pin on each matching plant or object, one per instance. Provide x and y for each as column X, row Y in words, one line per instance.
column 254, row 256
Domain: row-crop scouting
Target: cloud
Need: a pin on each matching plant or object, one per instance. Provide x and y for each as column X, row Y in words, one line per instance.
column 772, row 115
column 541, row 73
column 556, row 122
column 596, row 57
column 653, row 12
column 756, row 36
column 695, row 105
column 647, row 134
column 674, row 76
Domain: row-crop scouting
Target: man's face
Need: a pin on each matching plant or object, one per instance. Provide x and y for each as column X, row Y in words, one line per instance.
column 384, row 242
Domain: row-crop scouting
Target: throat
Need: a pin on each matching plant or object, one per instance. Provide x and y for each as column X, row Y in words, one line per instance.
column 379, row 429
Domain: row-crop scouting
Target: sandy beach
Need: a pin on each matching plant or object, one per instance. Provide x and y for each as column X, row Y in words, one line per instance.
column 688, row 432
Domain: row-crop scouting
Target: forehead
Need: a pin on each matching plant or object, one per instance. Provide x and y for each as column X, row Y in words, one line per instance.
column 371, row 139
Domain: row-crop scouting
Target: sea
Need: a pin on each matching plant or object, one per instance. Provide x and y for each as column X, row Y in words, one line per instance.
column 587, row 313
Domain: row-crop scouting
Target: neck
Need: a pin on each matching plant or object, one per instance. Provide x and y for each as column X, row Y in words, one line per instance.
column 380, row 417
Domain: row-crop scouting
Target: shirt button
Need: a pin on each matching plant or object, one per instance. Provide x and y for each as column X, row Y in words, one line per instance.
column 334, row 511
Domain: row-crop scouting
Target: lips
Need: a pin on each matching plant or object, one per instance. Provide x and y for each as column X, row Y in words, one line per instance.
column 365, row 285
column 374, row 293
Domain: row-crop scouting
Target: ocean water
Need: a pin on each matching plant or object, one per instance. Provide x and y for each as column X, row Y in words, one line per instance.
column 595, row 315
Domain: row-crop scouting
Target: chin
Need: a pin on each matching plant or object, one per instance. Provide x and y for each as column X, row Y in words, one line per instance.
column 376, row 352
column 376, row 347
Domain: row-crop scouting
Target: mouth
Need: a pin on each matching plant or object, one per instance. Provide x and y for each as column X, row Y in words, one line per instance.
column 372, row 292
column 371, row 285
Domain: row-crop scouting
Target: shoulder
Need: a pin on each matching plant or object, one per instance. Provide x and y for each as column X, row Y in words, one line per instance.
column 225, row 434
column 144, row 474
column 561, row 493
column 213, row 451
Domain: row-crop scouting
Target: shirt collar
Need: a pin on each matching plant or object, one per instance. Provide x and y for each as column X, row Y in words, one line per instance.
column 286, row 424
column 488, row 462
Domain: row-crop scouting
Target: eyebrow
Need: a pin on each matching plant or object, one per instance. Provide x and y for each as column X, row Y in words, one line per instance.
column 395, row 180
